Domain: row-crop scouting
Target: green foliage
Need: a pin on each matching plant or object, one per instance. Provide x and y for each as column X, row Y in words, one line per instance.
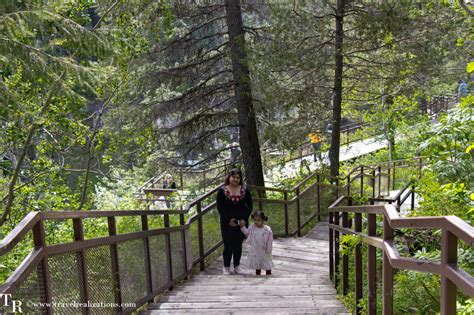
column 117, row 193
column 470, row 67
column 465, row 308
column 416, row 292
column 349, row 242
column 443, row 199
column 447, row 142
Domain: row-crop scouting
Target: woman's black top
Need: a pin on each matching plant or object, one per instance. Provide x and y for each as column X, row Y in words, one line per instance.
column 167, row 186
column 234, row 206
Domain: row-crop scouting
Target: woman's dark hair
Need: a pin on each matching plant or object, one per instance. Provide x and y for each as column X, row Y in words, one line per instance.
column 234, row 171
column 259, row 214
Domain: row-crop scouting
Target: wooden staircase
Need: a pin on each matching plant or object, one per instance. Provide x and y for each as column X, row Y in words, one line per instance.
column 300, row 284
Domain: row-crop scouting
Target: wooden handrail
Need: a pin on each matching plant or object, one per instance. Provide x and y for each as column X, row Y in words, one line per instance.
column 23, row 270
column 453, row 229
column 19, row 232
column 58, row 215
column 201, row 198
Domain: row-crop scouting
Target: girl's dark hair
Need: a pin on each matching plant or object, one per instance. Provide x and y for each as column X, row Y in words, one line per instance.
column 259, row 214
column 234, row 171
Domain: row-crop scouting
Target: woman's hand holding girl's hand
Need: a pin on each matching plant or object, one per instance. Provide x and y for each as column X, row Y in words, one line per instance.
column 232, row 223
column 242, row 223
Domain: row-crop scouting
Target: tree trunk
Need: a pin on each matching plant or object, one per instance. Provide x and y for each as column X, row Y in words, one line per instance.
column 391, row 149
column 243, row 94
column 337, row 91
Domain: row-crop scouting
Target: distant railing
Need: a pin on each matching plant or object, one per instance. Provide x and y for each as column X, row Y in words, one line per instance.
column 209, row 175
column 438, row 104
column 352, row 132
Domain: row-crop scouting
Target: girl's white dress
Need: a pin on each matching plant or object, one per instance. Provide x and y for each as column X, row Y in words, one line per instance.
column 260, row 241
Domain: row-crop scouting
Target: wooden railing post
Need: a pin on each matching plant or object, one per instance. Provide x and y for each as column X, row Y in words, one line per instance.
column 420, row 162
column 202, row 265
column 81, row 262
column 371, row 266
column 336, row 250
column 298, row 212
column 287, row 232
column 412, row 207
column 184, row 245
column 169, row 262
column 331, row 247
column 449, row 249
column 393, row 175
column 147, row 258
column 39, row 240
column 372, row 180
column 387, row 270
column 348, row 186
column 345, row 259
column 361, row 181
column 115, row 263
column 389, row 176
column 318, row 195
column 380, row 180
column 358, row 264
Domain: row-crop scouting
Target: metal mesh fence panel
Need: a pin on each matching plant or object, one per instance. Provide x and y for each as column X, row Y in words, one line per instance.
column 328, row 196
column 100, row 278
column 31, row 292
column 276, row 216
column 189, row 254
column 384, row 185
column 308, row 202
column 193, row 236
column 132, row 270
column 292, row 216
column 159, row 270
column 369, row 183
column 211, row 226
column 66, row 285
column 177, row 253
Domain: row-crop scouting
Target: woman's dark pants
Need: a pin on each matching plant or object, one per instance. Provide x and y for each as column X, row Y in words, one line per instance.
column 233, row 239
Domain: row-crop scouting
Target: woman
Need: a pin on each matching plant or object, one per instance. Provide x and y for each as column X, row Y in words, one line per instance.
column 234, row 203
column 168, row 183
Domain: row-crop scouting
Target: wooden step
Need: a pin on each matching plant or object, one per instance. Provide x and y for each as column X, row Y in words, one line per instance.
column 242, row 298
column 299, row 284
column 260, row 304
column 269, row 311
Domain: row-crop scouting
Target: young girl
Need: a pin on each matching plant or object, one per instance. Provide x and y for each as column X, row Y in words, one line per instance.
column 260, row 239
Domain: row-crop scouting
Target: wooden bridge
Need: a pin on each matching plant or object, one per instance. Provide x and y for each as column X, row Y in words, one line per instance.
column 166, row 259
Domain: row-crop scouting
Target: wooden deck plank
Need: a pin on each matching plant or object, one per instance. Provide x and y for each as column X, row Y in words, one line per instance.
column 269, row 311
column 237, row 298
column 299, row 284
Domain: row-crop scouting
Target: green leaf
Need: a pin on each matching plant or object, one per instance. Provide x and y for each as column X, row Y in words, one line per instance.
column 470, row 67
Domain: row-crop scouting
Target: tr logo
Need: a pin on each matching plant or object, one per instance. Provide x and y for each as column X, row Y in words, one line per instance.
column 8, row 302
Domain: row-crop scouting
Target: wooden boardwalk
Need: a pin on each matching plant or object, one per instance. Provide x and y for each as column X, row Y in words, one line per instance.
column 299, row 285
